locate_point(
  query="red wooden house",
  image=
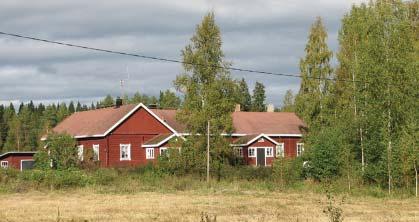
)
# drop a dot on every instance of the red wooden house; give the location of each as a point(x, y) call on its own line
point(18, 160)
point(132, 135)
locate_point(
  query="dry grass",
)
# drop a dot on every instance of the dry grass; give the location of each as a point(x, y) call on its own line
point(88, 205)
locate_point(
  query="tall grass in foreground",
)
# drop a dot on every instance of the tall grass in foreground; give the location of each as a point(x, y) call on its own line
point(150, 179)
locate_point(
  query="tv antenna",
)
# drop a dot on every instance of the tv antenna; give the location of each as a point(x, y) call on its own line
point(122, 81)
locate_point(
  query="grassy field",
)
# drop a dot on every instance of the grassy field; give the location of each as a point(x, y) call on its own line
point(227, 205)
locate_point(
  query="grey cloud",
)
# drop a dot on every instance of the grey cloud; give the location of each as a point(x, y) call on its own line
point(264, 35)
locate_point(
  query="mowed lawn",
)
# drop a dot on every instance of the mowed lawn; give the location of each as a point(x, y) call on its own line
point(86, 205)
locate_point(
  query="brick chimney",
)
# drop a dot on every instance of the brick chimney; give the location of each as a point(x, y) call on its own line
point(270, 108)
point(237, 108)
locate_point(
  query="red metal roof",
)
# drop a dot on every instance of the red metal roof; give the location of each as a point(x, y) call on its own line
point(98, 122)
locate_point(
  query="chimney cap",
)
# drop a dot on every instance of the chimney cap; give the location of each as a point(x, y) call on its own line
point(237, 108)
point(270, 108)
point(118, 102)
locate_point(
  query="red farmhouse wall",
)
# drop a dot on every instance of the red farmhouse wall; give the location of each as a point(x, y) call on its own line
point(138, 128)
point(15, 160)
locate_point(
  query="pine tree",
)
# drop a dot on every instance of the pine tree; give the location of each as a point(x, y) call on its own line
point(244, 96)
point(209, 92)
point(315, 68)
point(258, 100)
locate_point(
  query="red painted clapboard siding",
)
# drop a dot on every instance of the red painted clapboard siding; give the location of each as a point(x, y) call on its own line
point(141, 122)
point(138, 128)
point(265, 143)
point(14, 161)
point(88, 144)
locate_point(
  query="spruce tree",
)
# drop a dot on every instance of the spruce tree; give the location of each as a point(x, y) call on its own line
point(315, 68)
point(244, 96)
point(71, 108)
point(258, 100)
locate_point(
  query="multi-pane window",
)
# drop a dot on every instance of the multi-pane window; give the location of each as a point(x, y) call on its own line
point(300, 149)
point(252, 152)
point(149, 153)
point(239, 151)
point(280, 150)
point(269, 151)
point(96, 152)
point(125, 151)
point(80, 152)
point(4, 164)
point(163, 151)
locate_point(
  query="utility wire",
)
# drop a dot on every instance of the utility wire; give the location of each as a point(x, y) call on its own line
point(165, 59)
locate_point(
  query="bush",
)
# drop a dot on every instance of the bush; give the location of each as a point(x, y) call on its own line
point(287, 171)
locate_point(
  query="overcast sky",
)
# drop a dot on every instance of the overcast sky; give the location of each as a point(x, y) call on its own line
point(267, 35)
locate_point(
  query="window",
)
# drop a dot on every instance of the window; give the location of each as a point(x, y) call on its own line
point(149, 153)
point(252, 152)
point(125, 151)
point(4, 164)
point(80, 152)
point(261, 140)
point(300, 149)
point(269, 151)
point(280, 150)
point(239, 151)
point(163, 151)
point(96, 152)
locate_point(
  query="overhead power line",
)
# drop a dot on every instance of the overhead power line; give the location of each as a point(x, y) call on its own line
point(163, 59)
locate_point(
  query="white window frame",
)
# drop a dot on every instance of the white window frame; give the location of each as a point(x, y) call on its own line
point(4, 164)
point(96, 152)
point(280, 150)
point(80, 152)
point(254, 151)
point(239, 151)
point(161, 149)
point(300, 149)
point(21, 163)
point(149, 153)
point(261, 140)
point(266, 152)
point(128, 151)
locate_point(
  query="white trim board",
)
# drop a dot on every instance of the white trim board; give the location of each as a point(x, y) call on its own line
point(256, 138)
point(21, 163)
point(159, 144)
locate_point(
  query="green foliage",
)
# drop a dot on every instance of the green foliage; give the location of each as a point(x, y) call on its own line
point(107, 101)
point(62, 151)
point(42, 160)
point(288, 103)
point(324, 154)
point(244, 96)
point(315, 68)
point(258, 99)
point(333, 210)
point(209, 94)
point(169, 100)
point(287, 171)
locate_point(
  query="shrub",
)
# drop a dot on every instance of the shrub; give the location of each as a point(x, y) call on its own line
point(287, 171)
